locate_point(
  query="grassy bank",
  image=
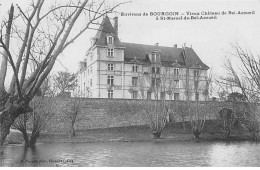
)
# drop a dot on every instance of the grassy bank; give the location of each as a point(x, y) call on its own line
point(172, 132)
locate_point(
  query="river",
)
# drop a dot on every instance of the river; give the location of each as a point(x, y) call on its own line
point(134, 154)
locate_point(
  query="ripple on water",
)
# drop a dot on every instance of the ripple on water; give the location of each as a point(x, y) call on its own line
point(136, 154)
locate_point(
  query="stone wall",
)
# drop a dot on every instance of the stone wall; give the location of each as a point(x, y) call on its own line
point(104, 113)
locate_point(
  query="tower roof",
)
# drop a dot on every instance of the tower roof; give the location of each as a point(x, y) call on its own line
point(105, 29)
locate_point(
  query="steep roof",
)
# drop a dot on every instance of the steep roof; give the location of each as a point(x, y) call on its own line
point(183, 57)
point(104, 29)
point(170, 56)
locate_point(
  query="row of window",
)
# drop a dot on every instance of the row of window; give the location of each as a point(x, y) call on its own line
point(89, 71)
point(176, 96)
point(155, 70)
point(155, 82)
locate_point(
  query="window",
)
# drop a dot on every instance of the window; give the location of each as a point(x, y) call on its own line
point(176, 84)
point(196, 84)
point(196, 73)
point(155, 57)
point(110, 67)
point(110, 39)
point(162, 95)
point(197, 96)
point(134, 94)
point(110, 94)
point(135, 69)
point(153, 82)
point(110, 52)
point(91, 56)
point(149, 95)
point(153, 69)
point(90, 70)
point(110, 80)
point(156, 82)
point(156, 70)
point(176, 72)
point(134, 81)
point(176, 96)
point(90, 83)
point(85, 64)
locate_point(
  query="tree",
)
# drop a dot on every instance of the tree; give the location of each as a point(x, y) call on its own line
point(246, 80)
point(35, 121)
point(236, 97)
point(64, 81)
point(227, 118)
point(73, 115)
point(40, 31)
point(198, 114)
point(151, 90)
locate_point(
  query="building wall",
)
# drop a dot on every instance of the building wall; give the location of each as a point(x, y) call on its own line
point(105, 113)
point(97, 61)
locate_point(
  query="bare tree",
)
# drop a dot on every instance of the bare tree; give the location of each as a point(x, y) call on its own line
point(34, 121)
point(73, 115)
point(198, 114)
point(151, 90)
point(41, 31)
point(245, 80)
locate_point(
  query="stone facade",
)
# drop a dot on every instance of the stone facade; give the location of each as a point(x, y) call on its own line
point(105, 113)
point(115, 69)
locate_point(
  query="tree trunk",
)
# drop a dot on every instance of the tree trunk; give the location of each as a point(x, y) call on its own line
point(196, 134)
point(227, 133)
point(26, 139)
point(8, 116)
point(72, 130)
point(33, 139)
point(156, 134)
point(183, 126)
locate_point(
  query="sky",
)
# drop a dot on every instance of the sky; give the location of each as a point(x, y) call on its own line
point(210, 38)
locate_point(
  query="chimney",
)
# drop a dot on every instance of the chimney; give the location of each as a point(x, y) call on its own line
point(116, 25)
point(175, 45)
point(93, 41)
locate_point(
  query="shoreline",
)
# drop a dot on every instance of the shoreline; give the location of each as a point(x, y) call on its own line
point(172, 133)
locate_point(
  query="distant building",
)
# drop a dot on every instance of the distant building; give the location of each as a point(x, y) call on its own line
point(115, 69)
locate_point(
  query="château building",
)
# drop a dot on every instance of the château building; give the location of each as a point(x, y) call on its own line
point(115, 69)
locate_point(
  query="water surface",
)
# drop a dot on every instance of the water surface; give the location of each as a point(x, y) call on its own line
point(135, 154)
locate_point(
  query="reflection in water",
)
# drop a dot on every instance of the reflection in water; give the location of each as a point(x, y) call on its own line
point(239, 154)
point(134, 154)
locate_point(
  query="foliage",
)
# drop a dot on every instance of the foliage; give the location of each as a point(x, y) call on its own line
point(236, 97)
point(64, 82)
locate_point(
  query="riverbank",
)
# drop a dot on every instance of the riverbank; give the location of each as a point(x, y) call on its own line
point(172, 132)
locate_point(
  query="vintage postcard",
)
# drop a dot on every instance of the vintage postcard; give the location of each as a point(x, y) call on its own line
point(119, 83)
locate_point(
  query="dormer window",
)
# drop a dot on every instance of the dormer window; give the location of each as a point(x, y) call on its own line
point(155, 57)
point(110, 39)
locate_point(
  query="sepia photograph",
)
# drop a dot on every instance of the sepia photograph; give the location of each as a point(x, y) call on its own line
point(129, 83)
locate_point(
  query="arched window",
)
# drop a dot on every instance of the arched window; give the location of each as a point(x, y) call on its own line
point(110, 39)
